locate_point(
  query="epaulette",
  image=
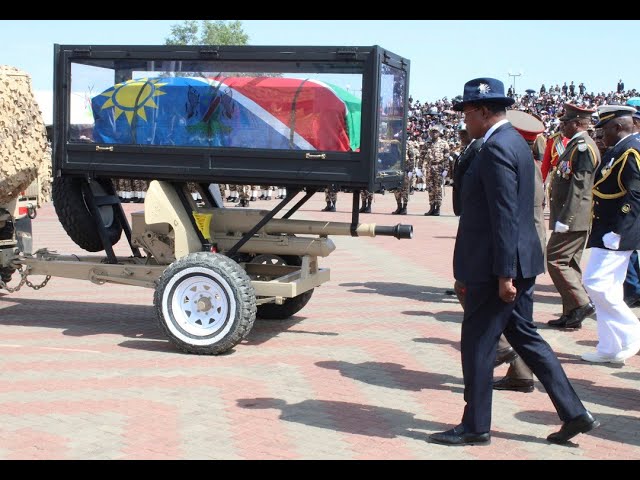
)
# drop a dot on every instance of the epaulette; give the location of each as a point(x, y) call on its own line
point(555, 135)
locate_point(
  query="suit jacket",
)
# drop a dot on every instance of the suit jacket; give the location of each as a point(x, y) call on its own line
point(496, 233)
point(571, 185)
point(616, 195)
point(459, 169)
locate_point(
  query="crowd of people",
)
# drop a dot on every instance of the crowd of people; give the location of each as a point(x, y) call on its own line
point(546, 104)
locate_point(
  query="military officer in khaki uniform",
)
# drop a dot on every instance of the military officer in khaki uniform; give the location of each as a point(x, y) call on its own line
point(331, 197)
point(402, 194)
point(570, 216)
point(366, 197)
point(437, 153)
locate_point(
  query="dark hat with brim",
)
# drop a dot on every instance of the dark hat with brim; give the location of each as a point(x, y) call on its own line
point(573, 112)
point(609, 112)
point(481, 90)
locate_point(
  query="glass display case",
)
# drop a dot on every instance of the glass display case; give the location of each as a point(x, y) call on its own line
point(278, 115)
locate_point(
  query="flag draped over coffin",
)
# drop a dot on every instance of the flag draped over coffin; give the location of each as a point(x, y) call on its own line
point(244, 112)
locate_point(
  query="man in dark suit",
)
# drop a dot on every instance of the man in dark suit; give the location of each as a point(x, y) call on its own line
point(519, 377)
point(497, 257)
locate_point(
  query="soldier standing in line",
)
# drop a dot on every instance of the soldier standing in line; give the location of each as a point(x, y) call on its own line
point(570, 216)
point(402, 194)
point(421, 163)
point(127, 189)
point(118, 185)
point(140, 188)
point(233, 193)
point(282, 193)
point(435, 165)
point(223, 189)
point(366, 197)
point(266, 193)
point(330, 196)
point(254, 189)
point(244, 195)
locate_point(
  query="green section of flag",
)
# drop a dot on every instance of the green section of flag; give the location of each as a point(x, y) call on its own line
point(354, 115)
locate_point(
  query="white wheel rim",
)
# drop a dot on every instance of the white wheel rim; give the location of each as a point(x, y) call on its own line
point(198, 306)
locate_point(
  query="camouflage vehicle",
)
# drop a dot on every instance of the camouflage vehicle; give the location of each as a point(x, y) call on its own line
point(186, 118)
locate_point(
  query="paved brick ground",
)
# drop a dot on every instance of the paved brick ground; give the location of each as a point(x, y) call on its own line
point(366, 371)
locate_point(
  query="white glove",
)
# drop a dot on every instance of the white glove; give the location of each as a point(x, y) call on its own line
point(444, 173)
point(419, 173)
point(561, 227)
point(611, 240)
point(410, 175)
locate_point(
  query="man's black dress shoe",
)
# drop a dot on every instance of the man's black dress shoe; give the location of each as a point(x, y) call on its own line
point(577, 315)
point(559, 322)
point(515, 384)
point(574, 318)
point(505, 355)
point(458, 436)
point(581, 424)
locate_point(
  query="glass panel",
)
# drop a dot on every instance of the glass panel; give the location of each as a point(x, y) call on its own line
point(243, 104)
point(391, 121)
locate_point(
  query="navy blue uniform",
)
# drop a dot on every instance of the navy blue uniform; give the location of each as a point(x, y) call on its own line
point(616, 196)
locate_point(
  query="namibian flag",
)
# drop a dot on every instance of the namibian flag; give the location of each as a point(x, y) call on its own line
point(245, 112)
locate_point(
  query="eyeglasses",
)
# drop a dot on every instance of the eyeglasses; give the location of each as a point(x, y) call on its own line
point(469, 111)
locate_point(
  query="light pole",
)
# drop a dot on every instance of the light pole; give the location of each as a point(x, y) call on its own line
point(514, 75)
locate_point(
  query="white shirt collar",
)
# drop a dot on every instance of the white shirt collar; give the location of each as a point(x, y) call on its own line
point(494, 128)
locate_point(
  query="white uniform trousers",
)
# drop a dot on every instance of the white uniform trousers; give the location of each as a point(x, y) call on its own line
point(618, 327)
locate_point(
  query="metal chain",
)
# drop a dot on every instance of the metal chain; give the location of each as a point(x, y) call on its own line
point(24, 281)
point(38, 287)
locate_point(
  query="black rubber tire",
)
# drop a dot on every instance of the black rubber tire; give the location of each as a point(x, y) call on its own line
point(225, 281)
point(75, 217)
point(291, 306)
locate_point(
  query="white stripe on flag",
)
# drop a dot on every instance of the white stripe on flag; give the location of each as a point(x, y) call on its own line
point(265, 116)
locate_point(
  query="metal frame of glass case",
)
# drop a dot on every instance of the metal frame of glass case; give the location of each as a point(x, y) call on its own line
point(377, 164)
